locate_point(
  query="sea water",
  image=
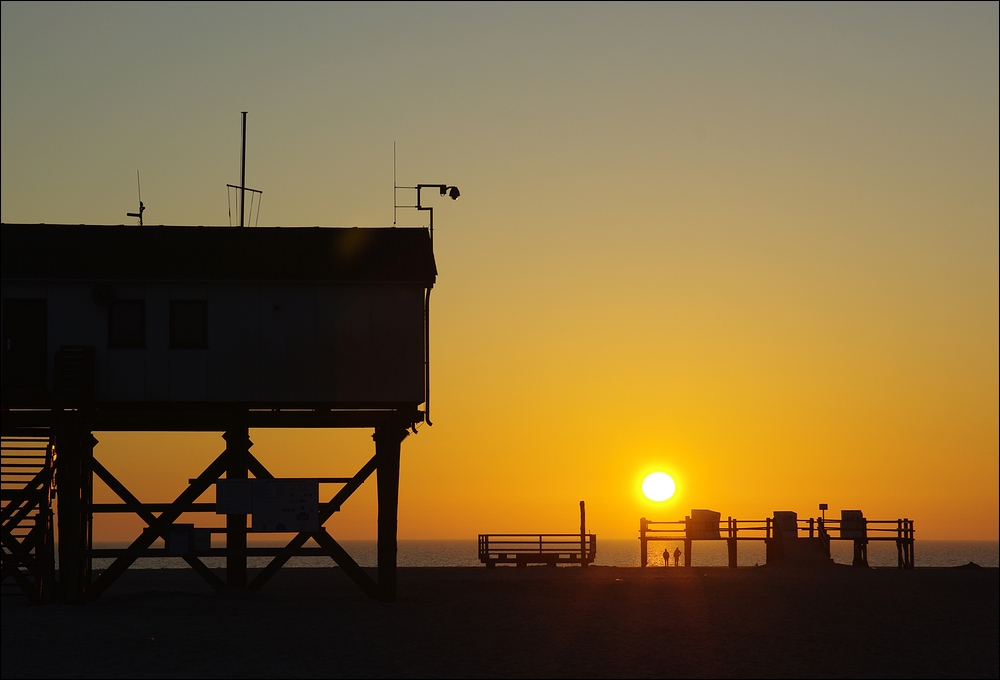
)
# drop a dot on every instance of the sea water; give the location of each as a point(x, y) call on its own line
point(620, 552)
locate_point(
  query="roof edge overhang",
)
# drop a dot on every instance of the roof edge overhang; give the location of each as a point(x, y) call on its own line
point(116, 252)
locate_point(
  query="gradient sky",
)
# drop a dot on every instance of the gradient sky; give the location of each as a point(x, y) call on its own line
point(755, 246)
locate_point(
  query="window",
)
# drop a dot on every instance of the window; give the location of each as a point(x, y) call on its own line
point(127, 324)
point(25, 344)
point(188, 324)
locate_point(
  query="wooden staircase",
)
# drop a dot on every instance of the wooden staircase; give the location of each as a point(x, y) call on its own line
point(26, 491)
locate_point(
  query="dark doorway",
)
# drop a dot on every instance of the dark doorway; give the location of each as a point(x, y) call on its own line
point(25, 345)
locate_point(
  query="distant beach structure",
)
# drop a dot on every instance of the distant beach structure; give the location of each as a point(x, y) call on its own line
point(787, 539)
point(547, 549)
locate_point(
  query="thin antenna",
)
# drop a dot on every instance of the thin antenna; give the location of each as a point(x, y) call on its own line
point(243, 168)
point(394, 184)
point(242, 188)
point(142, 208)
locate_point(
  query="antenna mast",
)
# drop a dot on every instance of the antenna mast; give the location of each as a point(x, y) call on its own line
point(243, 188)
point(142, 208)
point(243, 168)
point(394, 206)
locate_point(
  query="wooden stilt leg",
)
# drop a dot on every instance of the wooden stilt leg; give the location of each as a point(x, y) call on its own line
point(643, 544)
point(86, 503)
point(73, 449)
point(237, 445)
point(387, 446)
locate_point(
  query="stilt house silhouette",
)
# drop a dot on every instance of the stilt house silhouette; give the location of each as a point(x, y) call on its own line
point(115, 328)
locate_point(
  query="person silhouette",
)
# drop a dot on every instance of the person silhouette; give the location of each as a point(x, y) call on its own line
point(677, 557)
point(666, 557)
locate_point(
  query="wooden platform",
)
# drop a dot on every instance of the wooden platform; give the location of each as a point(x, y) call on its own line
point(547, 549)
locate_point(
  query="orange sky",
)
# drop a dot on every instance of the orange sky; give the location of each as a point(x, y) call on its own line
point(753, 246)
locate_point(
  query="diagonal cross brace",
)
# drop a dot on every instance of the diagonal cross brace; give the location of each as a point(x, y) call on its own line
point(157, 525)
point(27, 587)
point(202, 569)
point(20, 548)
point(26, 499)
point(350, 567)
point(135, 505)
point(257, 468)
point(347, 563)
point(155, 530)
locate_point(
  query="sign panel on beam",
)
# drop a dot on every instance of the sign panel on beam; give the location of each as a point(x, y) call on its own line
point(285, 505)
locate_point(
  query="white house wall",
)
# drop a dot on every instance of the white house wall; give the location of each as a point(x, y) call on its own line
point(267, 342)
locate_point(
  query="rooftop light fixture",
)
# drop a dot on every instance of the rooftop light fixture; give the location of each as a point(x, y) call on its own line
point(448, 190)
point(453, 193)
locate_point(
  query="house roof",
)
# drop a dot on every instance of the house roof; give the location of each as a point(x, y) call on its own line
point(48, 251)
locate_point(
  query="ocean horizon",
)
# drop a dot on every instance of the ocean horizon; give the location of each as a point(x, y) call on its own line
point(612, 552)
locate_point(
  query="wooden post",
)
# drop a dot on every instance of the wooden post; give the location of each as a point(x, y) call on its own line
point(773, 545)
point(912, 543)
point(68, 495)
point(731, 542)
point(857, 561)
point(387, 446)
point(583, 535)
point(687, 541)
point(74, 448)
point(907, 545)
point(87, 501)
point(43, 554)
point(899, 544)
point(237, 447)
point(643, 557)
point(824, 537)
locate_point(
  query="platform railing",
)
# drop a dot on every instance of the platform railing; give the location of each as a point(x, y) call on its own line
point(860, 531)
point(549, 549)
point(26, 511)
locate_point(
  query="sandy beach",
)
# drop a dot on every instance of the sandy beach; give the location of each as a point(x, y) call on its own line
point(567, 622)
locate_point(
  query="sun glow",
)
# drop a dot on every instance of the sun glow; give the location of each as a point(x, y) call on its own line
point(658, 486)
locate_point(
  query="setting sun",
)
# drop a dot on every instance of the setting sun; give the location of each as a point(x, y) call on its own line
point(658, 486)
